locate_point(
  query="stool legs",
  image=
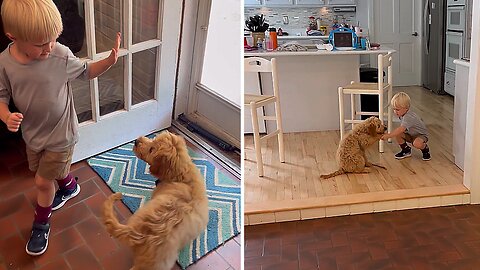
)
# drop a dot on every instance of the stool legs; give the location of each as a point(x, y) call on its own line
point(342, 116)
point(256, 139)
point(278, 116)
point(382, 117)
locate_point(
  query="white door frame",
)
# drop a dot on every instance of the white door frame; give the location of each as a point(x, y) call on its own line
point(108, 131)
point(202, 105)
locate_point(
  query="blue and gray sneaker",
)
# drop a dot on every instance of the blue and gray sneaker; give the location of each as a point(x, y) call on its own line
point(38, 242)
point(63, 195)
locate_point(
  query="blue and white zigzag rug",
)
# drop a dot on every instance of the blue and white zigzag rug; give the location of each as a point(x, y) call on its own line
point(124, 172)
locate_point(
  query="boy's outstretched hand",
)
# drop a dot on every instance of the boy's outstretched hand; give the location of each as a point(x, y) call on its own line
point(114, 53)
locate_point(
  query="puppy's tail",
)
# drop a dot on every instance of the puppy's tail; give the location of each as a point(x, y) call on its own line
point(326, 176)
point(114, 227)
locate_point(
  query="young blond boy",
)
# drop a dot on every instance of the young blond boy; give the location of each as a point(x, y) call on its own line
point(35, 71)
point(412, 129)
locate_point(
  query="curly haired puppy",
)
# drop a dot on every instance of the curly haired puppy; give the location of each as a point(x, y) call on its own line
point(177, 212)
point(351, 156)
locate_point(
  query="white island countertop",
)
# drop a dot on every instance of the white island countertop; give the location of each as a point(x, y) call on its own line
point(313, 52)
point(302, 37)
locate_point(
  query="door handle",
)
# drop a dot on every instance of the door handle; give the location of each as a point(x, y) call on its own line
point(415, 34)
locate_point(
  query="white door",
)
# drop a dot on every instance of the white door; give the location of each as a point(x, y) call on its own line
point(396, 25)
point(134, 97)
point(210, 70)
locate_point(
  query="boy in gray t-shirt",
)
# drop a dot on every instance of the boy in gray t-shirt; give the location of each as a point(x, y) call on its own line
point(35, 71)
point(411, 129)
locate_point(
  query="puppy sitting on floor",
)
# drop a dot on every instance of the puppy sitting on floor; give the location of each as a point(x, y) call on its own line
point(350, 155)
point(177, 212)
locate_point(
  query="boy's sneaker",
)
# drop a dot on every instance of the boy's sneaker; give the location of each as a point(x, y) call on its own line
point(426, 156)
point(63, 195)
point(404, 153)
point(38, 242)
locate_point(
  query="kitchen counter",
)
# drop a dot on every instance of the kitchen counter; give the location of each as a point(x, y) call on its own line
point(308, 84)
point(460, 110)
point(302, 37)
point(314, 52)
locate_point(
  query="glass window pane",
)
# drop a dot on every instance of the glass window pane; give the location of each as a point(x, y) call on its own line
point(143, 75)
point(110, 89)
point(145, 22)
point(82, 100)
point(108, 21)
point(221, 63)
point(73, 19)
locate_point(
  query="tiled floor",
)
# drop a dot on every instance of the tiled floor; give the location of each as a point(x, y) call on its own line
point(78, 239)
point(431, 238)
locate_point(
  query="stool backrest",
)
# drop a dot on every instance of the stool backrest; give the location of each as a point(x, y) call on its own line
point(384, 63)
point(262, 65)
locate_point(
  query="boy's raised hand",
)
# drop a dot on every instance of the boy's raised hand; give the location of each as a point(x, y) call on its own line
point(13, 121)
point(114, 53)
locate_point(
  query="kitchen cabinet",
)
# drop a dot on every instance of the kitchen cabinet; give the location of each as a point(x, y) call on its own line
point(460, 111)
point(253, 2)
point(311, 2)
point(342, 2)
point(278, 2)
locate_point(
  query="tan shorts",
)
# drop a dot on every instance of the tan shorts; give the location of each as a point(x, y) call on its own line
point(409, 138)
point(50, 165)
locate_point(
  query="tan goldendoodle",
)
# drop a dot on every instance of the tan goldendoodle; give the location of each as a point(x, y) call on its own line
point(351, 156)
point(177, 212)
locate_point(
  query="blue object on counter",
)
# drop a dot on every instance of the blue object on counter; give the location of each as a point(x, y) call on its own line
point(343, 39)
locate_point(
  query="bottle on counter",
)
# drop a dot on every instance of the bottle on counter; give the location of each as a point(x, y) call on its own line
point(268, 43)
point(259, 43)
point(273, 37)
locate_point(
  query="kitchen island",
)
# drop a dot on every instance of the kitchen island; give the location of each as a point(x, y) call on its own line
point(308, 83)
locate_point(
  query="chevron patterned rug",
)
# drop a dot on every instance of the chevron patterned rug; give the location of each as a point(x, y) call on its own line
point(124, 172)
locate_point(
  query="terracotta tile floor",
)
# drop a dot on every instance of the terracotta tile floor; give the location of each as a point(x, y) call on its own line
point(78, 239)
point(432, 238)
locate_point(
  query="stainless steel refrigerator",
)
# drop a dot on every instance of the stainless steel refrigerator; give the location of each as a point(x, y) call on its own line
point(433, 51)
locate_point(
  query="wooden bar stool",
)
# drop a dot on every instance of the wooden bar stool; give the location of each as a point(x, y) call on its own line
point(379, 88)
point(256, 65)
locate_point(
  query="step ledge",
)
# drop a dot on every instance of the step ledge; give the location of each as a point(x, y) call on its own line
point(352, 199)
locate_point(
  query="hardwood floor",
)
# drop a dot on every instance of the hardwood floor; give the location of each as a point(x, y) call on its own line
point(296, 184)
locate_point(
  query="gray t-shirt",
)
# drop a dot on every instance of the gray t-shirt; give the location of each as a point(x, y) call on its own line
point(414, 124)
point(41, 91)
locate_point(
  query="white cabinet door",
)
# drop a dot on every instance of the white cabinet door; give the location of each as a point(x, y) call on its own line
point(460, 112)
point(342, 2)
point(310, 2)
point(253, 2)
point(278, 2)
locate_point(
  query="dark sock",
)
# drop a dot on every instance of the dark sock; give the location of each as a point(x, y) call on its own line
point(404, 146)
point(426, 149)
point(42, 214)
point(69, 182)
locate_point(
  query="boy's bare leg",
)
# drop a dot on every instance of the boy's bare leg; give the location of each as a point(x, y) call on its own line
point(46, 191)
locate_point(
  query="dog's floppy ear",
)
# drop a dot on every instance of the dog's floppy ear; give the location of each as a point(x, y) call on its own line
point(165, 154)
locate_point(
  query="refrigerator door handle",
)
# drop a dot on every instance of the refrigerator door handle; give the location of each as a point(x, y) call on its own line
point(426, 25)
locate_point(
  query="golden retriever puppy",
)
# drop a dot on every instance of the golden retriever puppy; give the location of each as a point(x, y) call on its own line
point(350, 155)
point(177, 212)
